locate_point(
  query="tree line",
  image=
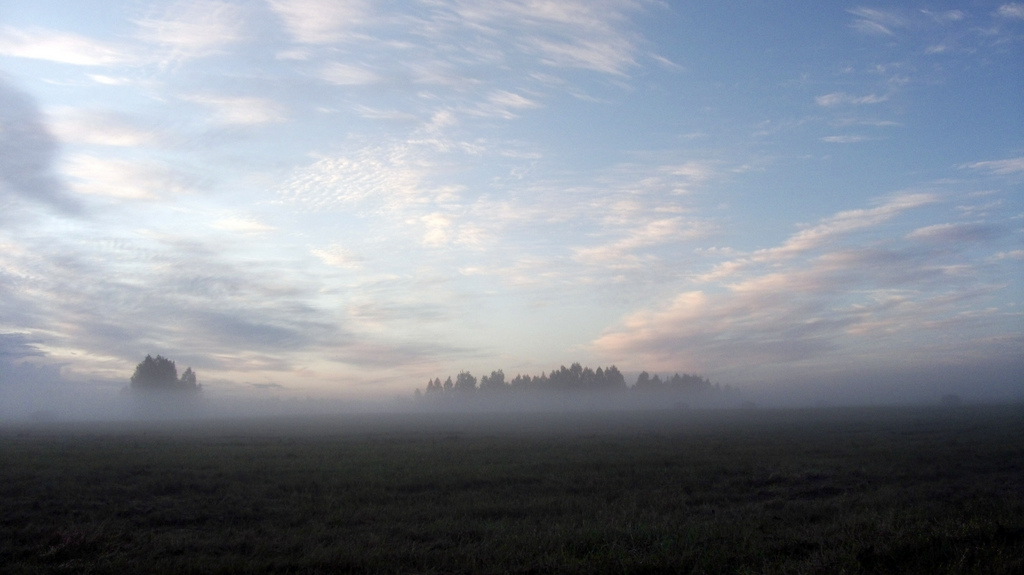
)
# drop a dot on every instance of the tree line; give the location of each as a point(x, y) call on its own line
point(573, 378)
point(160, 373)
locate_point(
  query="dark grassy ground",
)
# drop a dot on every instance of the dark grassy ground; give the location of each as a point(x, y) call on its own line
point(893, 490)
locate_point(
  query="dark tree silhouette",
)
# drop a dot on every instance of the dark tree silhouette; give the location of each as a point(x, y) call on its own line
point(494, 382)
point(465, 382)
point(160, 374)
point(574, 378)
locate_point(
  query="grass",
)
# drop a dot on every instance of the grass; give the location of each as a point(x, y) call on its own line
point(839, 490)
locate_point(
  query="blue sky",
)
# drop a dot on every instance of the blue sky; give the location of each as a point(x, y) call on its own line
point(352, 197)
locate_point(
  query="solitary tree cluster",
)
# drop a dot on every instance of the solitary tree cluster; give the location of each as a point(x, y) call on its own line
point(160, 373)
point(573, 378)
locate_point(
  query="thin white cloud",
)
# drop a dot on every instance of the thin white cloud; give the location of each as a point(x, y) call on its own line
point(242, 225)
point(338, 256)
point(62, 47)
point(847, 139)
point(843, 223)
point(1011, 255)
point(294, 54)
point(80, 126)
point(955, 233)
point(946, 16)
point(123, 179)
point(563, 33)
point(621, 253)
point(501, 104)
point(852, 304)
point(194, 28)
point(610, 56)
point(379, 114)
point(872, 21)
point(319, 21)
point(239, 110)
point(387, 177)
point(1012, 10)
point(109, 80)
point(1001, 167)
point(842, 98)
point(347, 75)
point(437, 229)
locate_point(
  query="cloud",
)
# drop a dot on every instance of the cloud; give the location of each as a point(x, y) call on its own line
point(610, 56)
point(80, 126)
point(1001, 167)
point(242, 225)
point(437, 229)
point(947, 16)
point(620, 253)
point(843, 308)
point(815, 301)
point(126, 295)
point(562, 33)
point(830, 229)
point(319, 21)
point(842, 98)
point(847, 139)
point(378, 114)
point(239, 111)
point(956, 233)
point(61, 47)
point(1012, 255)
point(109, 80)
point(500, 103)
point(123, 179)
point(872, 21)
point(347, 75)
point(27, 152)
point(388, 177)
point(193, 28)
point(1011, 10)
point(339, 257)
point(15, 346)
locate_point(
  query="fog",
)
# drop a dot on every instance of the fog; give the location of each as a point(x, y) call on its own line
point(39, 396)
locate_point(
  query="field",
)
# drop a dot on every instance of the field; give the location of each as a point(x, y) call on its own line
point(842, 490)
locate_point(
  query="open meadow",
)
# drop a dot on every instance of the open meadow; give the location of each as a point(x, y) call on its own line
point(836, 490)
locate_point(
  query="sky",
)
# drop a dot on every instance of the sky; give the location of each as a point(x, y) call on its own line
point(333, 198)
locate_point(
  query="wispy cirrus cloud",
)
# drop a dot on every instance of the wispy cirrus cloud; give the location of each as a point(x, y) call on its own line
point(193, 28)
point(1011, 10)
point(502, 104)
point(347, 75)
point(955, 233)
point(388, 177)
point(239, 110)
point(97, 127)
point(338, 256)
point(124, 179)
point(1001, 167)
point(574, 34)
point(61, 47)
point(826, 234)
point(843, 223)
point(319, 21)
point(844, 302)
point(242, 225)
point(842, 98)
point(623, 253)
point(873, 21)
point(845, 139)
